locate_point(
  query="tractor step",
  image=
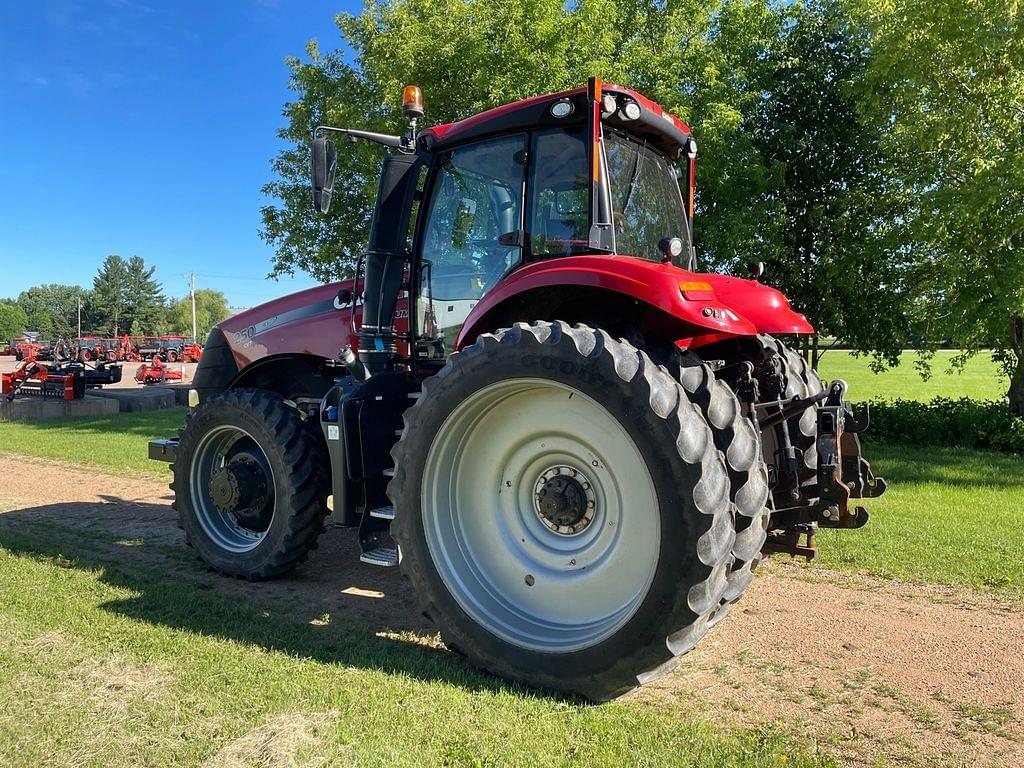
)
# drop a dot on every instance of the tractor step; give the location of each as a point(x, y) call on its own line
point(383, 557)
point(383, 513)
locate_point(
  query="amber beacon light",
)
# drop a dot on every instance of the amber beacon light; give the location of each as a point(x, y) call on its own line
point(412, 101)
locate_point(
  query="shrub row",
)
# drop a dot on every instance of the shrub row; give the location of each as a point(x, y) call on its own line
point(962, 423)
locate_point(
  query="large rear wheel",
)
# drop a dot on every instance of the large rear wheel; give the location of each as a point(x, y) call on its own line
point(562, 510)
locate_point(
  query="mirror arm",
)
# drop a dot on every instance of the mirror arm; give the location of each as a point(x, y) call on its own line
point(396, 142)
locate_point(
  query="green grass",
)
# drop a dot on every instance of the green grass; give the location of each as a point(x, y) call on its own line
point(981, 379)
point(113, 664)
point(117, 442)
point(950, 516)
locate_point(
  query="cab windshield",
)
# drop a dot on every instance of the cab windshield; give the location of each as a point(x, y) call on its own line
point(647, 205)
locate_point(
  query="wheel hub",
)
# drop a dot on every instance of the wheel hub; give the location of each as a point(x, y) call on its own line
point(240, 489)
point(564, 500)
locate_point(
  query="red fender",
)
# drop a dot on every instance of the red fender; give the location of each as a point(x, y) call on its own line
point(764, 306)
point(659, 285)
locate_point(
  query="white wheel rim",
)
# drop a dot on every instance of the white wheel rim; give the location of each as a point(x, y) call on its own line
point(528, 584)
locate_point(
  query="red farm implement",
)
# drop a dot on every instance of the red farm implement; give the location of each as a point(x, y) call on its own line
point(156, 371)
point(34, 379)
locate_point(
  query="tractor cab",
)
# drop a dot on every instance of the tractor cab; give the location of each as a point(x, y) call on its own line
point(590, 172)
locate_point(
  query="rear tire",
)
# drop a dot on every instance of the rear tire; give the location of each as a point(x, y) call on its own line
point(740, 444)
point(250, 479)
point(596, 610)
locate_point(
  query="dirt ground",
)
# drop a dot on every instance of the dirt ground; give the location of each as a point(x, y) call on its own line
point(923, 675)
point(8, 364)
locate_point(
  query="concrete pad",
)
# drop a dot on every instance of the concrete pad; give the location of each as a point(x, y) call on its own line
point(31, 408)
point(138, 400)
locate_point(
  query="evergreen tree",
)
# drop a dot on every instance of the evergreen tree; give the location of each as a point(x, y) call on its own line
point(109, 296)
point(145, 306)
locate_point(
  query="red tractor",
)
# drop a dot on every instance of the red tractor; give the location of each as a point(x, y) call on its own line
point(576, 447)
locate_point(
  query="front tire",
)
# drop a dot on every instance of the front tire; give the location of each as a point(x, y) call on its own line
point(562, 510)
point(250, 480)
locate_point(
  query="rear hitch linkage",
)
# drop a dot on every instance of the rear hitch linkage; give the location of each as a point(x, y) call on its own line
point(842, 472)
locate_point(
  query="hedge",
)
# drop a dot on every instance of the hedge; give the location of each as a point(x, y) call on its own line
point(962, 423)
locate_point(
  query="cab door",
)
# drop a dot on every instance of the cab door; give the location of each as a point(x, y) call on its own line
point(471, 236)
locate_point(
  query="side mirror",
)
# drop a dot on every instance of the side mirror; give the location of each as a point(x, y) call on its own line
point(343, 299)
point(324, 165)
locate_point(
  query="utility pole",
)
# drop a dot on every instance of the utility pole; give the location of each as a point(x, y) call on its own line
point(79, 317)
point(192, 290)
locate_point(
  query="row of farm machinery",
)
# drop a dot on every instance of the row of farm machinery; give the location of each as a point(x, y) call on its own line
point(87, 349)
point(66, 369)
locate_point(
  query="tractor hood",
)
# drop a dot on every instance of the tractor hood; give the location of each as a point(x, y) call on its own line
point(309, 322)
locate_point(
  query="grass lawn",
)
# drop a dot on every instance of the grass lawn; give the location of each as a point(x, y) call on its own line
point(950, 516)
point(106, 664)
point(981, 379)
point(117, 442)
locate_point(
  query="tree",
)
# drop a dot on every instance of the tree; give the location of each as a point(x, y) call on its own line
point(109, 295)
point(211, 308)
point(947, 84)
point(13, 320)
point(145, 306)
point(833, 198)
point(697, 59)
point(52, 309)
point(126, 298)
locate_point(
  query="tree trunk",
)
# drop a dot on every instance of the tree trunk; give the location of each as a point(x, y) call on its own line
point(1016, 393)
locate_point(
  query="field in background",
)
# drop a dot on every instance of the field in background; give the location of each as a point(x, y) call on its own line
point(981, 378)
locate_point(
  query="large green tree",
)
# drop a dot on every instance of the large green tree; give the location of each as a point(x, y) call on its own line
point(947, 91)
point(698, 59)
point(825, 245)
point(145, 309)
point(211, 308)
point(52, 309)
point(868, 150)
point(109, 296)
point(13, 320)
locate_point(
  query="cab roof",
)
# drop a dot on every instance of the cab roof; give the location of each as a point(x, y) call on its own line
point(654, 125)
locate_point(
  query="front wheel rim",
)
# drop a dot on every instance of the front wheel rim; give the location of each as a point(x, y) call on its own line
point(553, 578)
point(244, 528)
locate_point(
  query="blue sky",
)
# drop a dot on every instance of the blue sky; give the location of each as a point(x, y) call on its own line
point(146, 127)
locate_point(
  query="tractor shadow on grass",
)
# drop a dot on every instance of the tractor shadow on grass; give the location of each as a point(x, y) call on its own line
point(332, 609)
